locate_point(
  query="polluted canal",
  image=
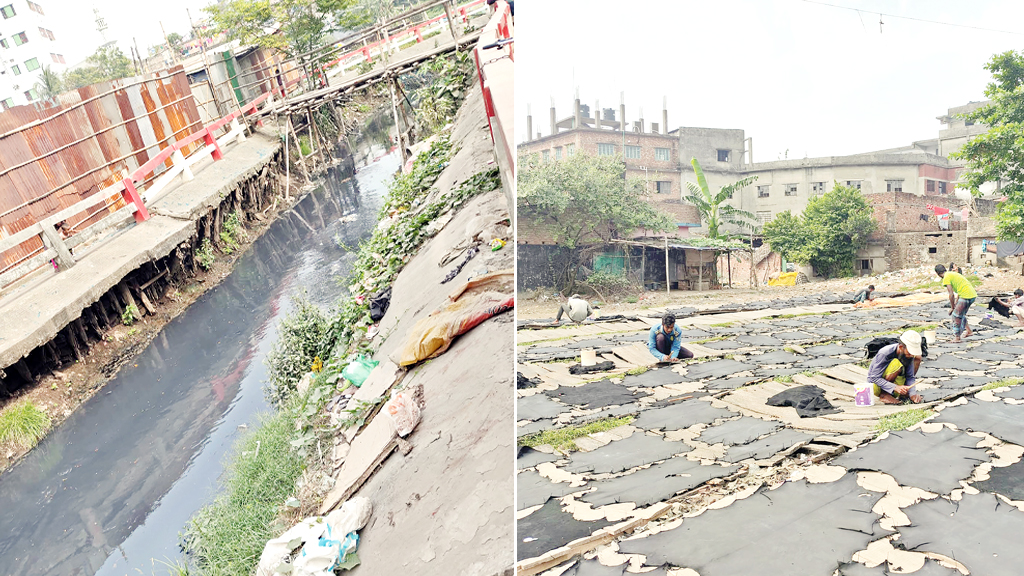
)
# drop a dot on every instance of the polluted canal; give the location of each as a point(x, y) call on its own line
point(109, 491)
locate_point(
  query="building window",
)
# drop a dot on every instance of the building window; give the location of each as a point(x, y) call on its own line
point(16, 69)
point(790, 189)
point(662, 154)
point(864, 264)
point(32, 64)
point(894, 185)
point(58, 58)
point(817, 188)
point(35, 7)
point(762, 192)
point(606, 149)
point(764, 217)
point(46, 34)
point(930, 186)
point(8, 11)
point(942, 187)
point(664, 187)
point(20, 38)
point(570, 149)
point(632, 152)
point(723, 155)
point(545, 155)
point(853, 184)
point(31, 95)
point(558, 153)
point(933, 250)
point(8, 104)
point(3, 43)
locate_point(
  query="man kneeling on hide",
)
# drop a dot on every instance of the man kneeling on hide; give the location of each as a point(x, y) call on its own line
point(665, 342)
point(893, 371)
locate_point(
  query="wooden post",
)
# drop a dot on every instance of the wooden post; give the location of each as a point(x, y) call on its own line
point(53, 240)
point(398, 125)
point(21, 367)
point(668, 283)
point(298, 146)
point(451, 24)
point(126, 296)
point(643, 264)
point(728, 260)
point(314, 134)
point(700, 271)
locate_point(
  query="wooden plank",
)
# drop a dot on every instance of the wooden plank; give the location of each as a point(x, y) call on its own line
point(846, 374)
point(18, 237)
point(29, 265)
point(113, 220)
point(369, 450)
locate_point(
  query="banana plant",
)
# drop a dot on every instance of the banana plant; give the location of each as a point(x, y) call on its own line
point(713, 209)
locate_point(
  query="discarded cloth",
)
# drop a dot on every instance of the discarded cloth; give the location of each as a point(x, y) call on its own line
point(473, 250)
point(325, 541)
point(469, 305)
point(599, 367)
point(379, 304)
point(809, 401)
point(784, 279)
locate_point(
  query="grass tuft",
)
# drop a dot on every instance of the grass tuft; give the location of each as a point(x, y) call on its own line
point(637, 371)
point(23, 424)
point(227, 537)
point(901, 420)
point(564, 438)
point(1004, 383)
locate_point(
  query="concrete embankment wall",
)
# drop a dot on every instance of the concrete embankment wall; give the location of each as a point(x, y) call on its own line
point(55, 322)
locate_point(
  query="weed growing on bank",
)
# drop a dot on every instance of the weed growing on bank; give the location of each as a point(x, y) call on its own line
point(204, 255)
point(23, 424)
point(227, 537)
point(302, 338)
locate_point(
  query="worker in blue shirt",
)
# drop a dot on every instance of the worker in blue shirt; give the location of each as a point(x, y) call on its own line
point(666, 341)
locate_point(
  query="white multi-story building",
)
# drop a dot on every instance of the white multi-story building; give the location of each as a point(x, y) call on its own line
point(27, 44)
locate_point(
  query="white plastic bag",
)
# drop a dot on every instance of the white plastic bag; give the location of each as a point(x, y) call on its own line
point(352, 516)
point(404, 413)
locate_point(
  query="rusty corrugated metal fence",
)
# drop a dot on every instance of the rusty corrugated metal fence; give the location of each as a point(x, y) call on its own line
point(54, 154)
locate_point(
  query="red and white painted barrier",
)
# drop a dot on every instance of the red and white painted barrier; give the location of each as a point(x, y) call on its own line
point(495, 68)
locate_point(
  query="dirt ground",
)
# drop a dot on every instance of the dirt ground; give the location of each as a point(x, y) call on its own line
point(544, 303)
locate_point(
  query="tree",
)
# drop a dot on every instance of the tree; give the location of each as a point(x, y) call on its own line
point(174, 39)
point(828, 234)
point(107, 63)
point(584, 202)
point(50, 84)
point(997, 156)
point(303, 24)
point(713, 209)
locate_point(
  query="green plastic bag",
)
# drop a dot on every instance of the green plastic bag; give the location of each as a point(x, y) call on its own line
point(359, 370)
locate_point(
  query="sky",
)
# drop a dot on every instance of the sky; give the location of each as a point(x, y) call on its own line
point(74, 23)
point(801, 78)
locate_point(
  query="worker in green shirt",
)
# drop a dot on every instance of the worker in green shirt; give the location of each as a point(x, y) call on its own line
point(959, 286)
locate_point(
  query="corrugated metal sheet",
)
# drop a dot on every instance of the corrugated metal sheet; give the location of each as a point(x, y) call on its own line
point(106, 138)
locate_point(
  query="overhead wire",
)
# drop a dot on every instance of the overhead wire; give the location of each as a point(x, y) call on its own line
point(880, 14)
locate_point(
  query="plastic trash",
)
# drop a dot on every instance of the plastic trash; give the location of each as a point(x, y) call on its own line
point(352, 516)
point(863, 395)
point(358, 370)
point(497, 244)
point(404, 413)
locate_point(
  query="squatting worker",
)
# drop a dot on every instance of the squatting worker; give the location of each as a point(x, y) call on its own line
point(1016, 305)
point(666, 341)
point(576, 308)
point(893, 370)
point(865, 294)
point(957, 285)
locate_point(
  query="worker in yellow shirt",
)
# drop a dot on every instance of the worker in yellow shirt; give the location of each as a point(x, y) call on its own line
point(958, 286)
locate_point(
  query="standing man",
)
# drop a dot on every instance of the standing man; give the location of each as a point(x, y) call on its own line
point(955, 283)
point(865, 294)
point(893, 370)
point(577, 309)
point(666, 341)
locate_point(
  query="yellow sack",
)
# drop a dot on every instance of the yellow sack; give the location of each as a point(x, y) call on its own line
point(471, 304)
point(784, 279)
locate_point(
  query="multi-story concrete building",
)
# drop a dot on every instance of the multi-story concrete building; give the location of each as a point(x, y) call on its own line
point(27, 44)
point(903, 184)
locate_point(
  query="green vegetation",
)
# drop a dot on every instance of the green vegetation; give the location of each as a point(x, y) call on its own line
point(232, 230)
point(584, 201)
point(713, 210)
point(204, 255)
point(441, 98)
point(723, 325)
point(828, 234)
point(996, 155)
point(50, 83)
point(607, 284)
point(23, 424)
point(563, 439)
point(227, 537)
point(107, 63)
point(1004, 383)
point(637, 371)
point(130, 315)
point(302, 337)
point(901, 420)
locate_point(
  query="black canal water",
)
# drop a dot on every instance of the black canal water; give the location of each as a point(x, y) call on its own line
point(108, 492)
